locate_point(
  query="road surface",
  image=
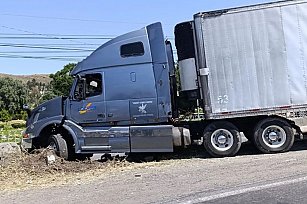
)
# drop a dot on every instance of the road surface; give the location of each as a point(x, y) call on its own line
point(248, 178)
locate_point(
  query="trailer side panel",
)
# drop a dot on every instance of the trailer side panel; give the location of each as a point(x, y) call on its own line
point(256, 57)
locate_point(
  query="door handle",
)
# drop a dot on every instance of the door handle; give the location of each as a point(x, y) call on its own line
point(101, 115)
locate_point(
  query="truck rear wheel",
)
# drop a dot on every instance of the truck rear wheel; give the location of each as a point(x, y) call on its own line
point(222, 139)
point(273, 135)
point(59, 145)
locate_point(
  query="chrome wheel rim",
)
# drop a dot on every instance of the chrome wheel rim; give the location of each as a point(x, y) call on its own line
point(274, 136)
point(222, 140)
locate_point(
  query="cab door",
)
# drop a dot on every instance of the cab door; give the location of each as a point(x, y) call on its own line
point(87, 106)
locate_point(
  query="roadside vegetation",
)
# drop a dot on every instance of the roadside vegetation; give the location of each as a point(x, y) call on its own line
point(11, 131)
point(14, 93)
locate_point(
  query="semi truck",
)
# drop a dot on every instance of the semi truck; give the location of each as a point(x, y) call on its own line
point(245, 68)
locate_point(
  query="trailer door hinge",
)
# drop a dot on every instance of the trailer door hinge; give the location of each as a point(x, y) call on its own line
point(204, 72)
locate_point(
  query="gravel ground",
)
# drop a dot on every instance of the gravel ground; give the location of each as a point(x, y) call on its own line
point(178, 178)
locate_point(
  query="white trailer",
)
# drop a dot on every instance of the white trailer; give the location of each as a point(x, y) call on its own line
point(249, 66)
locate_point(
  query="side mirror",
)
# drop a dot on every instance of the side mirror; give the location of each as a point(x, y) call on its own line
point(26, 108)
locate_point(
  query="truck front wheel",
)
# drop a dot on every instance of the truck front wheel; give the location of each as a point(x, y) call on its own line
point(273, 135)
point(222, 139)
point(59, 145)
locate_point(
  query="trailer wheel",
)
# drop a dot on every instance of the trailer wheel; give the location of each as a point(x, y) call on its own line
point(59, 145)
point(273, 135)
point(222, 139)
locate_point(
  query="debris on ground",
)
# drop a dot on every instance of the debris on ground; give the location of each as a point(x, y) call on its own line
point(44, 167)
point(9, 150)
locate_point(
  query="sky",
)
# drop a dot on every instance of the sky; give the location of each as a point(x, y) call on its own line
point(40, 37)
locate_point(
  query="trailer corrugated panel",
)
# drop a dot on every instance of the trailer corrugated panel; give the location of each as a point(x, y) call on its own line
point(257, 56)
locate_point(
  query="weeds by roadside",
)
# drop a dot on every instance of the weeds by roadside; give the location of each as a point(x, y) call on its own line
point(11, 131)
point(30, 170)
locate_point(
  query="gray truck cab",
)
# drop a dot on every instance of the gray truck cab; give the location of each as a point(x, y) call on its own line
point(119, 102)
point(123, 82)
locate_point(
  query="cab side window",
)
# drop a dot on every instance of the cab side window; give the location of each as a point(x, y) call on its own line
point(93, 85)
point(88, 86)
point(132, 50)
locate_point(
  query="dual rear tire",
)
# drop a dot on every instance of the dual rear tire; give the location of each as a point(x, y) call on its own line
point(273, 135)
point(270, 135)
point(222, 139)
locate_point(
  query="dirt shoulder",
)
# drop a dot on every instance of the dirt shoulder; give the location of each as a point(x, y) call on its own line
point(173, 180)
point(20, 172)
point(29, 171)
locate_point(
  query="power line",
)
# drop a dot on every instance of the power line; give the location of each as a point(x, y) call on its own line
point(55, 44)
point(42, 52)
point(64, 58)
point(52, 38)
point(55, 56)
point(75, 35)
point(25, 31)
point(43, 47)
point(72, 19)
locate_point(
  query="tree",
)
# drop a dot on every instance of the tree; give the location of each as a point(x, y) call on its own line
point(13, 94)
point(62, 81)
point(49, 94)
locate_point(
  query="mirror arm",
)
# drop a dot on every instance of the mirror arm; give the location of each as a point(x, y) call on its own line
point(26, 108)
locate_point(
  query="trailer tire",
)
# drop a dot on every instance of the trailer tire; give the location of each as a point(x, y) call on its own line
point(273, 135)
point(59, 145)
point(222, 139)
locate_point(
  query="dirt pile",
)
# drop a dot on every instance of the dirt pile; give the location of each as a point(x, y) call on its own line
point(26, 170)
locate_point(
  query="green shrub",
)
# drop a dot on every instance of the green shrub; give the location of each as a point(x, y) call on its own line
point(18, 124)
point(20, 116)
point(5, 116)
point(2, 125)
point(10, 135)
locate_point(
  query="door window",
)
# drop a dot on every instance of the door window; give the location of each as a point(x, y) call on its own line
point(93, 85)
point(88, 86)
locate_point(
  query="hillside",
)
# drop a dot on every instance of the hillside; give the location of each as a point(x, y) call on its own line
point(44, 78)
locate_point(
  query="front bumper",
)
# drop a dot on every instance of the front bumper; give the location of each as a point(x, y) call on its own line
point(26, 143)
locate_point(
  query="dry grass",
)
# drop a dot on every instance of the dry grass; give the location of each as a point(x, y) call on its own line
point(31, 170)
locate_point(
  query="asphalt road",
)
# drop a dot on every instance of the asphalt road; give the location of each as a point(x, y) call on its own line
point(248, 178)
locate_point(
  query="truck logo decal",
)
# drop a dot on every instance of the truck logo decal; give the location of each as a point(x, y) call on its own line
point(142, 108)
point(85, 109)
